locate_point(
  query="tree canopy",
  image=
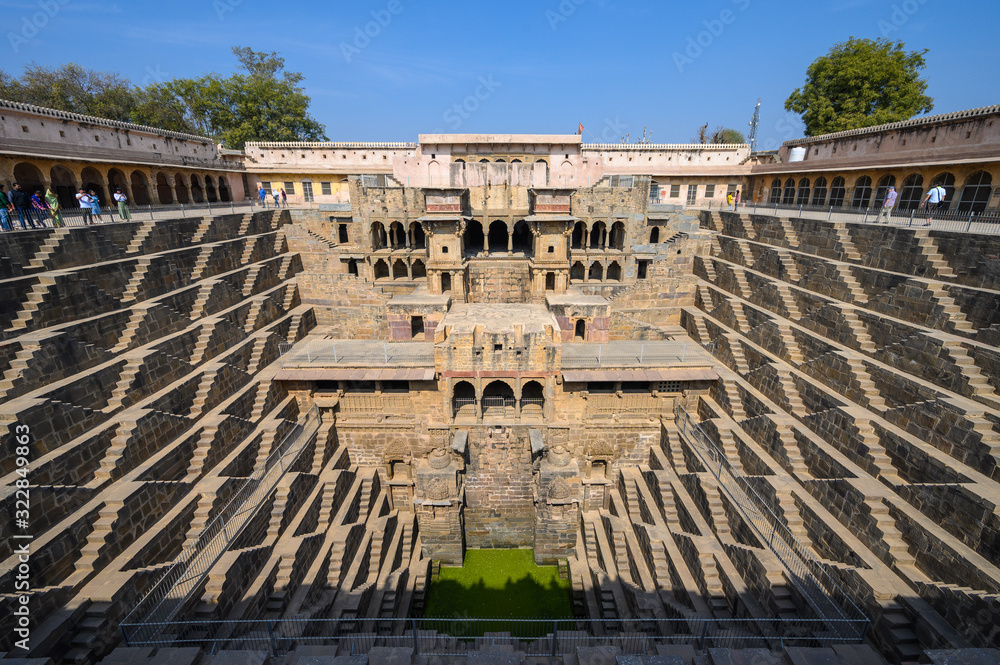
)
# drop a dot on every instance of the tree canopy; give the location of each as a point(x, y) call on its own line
point(861, 83)
point(262, 102)
point(720, 135)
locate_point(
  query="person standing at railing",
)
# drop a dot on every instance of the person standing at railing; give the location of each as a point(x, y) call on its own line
point(887, 205)
point(84, 199)
point(262, 193)
point(284, 197)
point(95, 205)
point(54, 208)
point(122, 200)
point(276, 197)
point(932, 201)
point(5, 210)
point(729, 200)
point(39, 207)
point(21, 202)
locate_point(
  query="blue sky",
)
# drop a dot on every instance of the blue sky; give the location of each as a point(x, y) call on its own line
point(391, 69)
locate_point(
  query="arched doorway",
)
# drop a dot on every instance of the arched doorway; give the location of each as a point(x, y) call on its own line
point(163, 189)
point(180, 186)
point(197, 193)
point(580, 330)
point(210, 190)
point(397, 238)
point(352, 267)
point(596, 272)
point(598, 235)
point(819, 192)
point(911, 192)
point(579, 231)
point(378, 236)
point(838, 192)
point(523, 239)
point(28, 177)
point(498, 237)
point(654, 235)
point(224, 194)
point(617, 236)
point(473, 238)
point(976, 192)
point(140, 188)
point(463, 401)
point(63, 185)
point(614, 272)
point(862, 192)
point(381, 269)
point(498, 400)
point(532, 400)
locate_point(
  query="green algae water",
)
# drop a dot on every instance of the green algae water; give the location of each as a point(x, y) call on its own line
point(499, 584)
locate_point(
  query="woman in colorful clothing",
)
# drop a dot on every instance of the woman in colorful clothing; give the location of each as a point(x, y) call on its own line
point(54, 208)
point(95, 205)
point(40, 207)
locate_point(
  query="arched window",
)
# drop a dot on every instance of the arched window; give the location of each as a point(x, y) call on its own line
point(473, 238)
point(819, 192)
point(498, 236)
point(542, 161)
point(381, 269)
point(614, 272)
point(397, 237)
point(884, 183)
point(352, 267)
point(419, 270)
point(497, 398)
point(654, 235)
point(617, 236)
point(976, 192)
point(580, 330)
point(596, 272)
point(946, 180)
point(838, 192)
point(775, 191)
point(577, 272)
point(399, 269)
point(802, 197)
point(579, 231)
point(862, 192)
point(911, 193)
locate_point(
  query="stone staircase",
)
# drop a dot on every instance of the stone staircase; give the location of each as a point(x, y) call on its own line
point(933, 255)
point(39, 261)
point(959, 324)
point(90, 553)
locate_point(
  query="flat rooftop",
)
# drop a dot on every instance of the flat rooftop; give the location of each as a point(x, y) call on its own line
point(498, 317)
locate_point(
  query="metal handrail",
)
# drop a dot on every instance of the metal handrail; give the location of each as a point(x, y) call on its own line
point(171, 591)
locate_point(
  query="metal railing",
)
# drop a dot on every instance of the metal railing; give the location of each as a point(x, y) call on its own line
point(356, 352)
point(985, 222)
point(534, 637)
point(827, 599)
point(162, 602)
point(79, 217)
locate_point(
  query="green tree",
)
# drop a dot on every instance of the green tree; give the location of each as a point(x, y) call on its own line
point(265, 103)
point(727, 135)
point(861, 83)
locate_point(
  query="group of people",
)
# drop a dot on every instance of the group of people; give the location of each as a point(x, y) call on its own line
point(933, 200)
point(32, 211)
point(278, 197)
point(733, 200)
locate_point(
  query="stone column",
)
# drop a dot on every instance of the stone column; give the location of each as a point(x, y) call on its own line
point(172, 182)
point(409, 270)
point(154, 191)
point(510, 241)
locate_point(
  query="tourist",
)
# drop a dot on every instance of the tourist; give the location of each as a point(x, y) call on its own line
point(122, 200)
point(262, 193)
point(736, 200)
point(729, 200)
point(887, 205)
point(5, 210)
point(39, 207)
point(932, 201)
point(54, 208)
point(276, 197)
point(284, 197)
point(95, 205)
point(21, 202)
point(84, 199)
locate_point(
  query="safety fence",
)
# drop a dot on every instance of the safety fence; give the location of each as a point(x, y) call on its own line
point(79, 217)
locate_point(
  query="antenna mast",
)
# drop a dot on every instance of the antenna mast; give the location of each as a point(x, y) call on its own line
point(754, 123)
